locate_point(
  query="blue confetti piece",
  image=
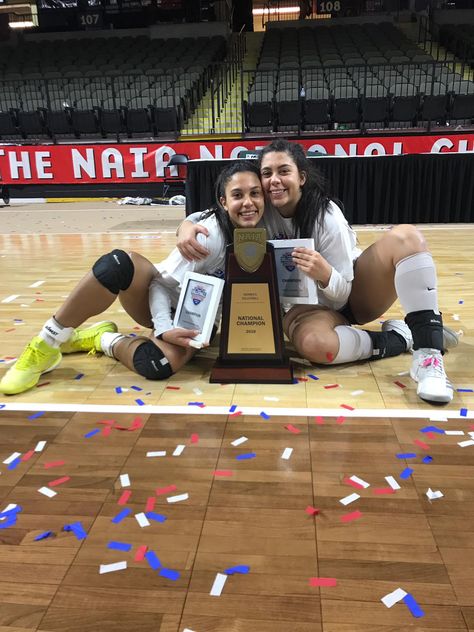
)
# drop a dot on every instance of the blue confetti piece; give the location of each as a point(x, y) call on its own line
point(313, 377)
point(465, 390)
point(413, 606)
point(264, 415)
point(463, 412)
point(10, 512)
point(119, 546)
point(77, 529)
point(11, 517)
point(195, 403)
point(118, 389)
point(237, 569)
point(294, 381)
point(153, 560)
point(432, 429)
point(2, 406)
point(79, 376)
point(248, 455)
point(233, 408)
point(169, 574)
point(140, 402)
point(120, 516)
point(407, 455)
point(43, 536)
point(36, 415)
point(407, 472)
point(427, 459)
point(461, 302)
point(92, 433)
point(4, 524)
point(14, 464)
point(155, 516)
point(132, 335)
point(136, 388)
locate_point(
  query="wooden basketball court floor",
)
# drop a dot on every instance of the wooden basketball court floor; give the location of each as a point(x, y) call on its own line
point(302, 561)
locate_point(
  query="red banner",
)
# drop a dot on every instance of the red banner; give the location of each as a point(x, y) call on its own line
point(145, 162)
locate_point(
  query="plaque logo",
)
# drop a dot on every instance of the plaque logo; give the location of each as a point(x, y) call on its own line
point(287, 261)
point(250, 247)
point(198, 294)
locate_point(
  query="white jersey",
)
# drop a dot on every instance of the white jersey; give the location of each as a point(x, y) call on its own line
point(335, 240)
point(165, 289)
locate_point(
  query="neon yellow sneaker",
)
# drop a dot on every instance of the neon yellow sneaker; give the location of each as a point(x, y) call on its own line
point(88, 339)
point(37, 358)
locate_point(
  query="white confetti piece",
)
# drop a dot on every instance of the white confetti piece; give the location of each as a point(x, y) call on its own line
point(434, 417)
point(218, 585)
point(271, 399)
point(10, 298)
point(40, 446)
point(7, 508)
point(404, 373)
point(455, 316)
point(360, 481)
point(36, 284)
point(159, 453)
point(178, 498)
point(347, 500)
point(286, 453)
point(110, 568)
point(124, 480)
point(197, 391)
point(47, 492)
point(188, 630)
point(454, 432)
point(392, 482)
point(142, 519)
point(11, 458)
point(355, 393)
point(239, 441)
point(465, 444)
point(179, 450)
point(394, 597)
point(432, 495)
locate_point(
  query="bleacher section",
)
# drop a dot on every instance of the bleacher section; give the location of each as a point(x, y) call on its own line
point(356, 77)
point(119, 86)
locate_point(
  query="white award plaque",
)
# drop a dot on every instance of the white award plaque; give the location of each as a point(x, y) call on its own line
point(294, 286)
point(197, 306)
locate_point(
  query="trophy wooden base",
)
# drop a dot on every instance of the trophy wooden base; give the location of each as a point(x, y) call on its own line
point(257, 373)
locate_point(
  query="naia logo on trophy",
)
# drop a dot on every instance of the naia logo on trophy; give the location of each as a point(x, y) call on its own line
point(287, 261)
point(198, 294)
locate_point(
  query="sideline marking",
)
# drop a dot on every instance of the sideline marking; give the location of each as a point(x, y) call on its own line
point(400, 413)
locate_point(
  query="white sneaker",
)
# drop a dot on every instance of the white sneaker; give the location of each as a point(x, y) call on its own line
point(450, 337)
point(400, 327)
point(428, 370)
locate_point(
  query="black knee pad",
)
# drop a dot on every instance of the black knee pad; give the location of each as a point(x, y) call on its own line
point(114, 271)
point(150, 362)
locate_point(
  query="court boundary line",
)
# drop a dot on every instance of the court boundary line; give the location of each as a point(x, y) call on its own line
point(406, 413)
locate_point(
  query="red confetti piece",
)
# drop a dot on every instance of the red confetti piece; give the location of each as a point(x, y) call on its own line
point(236, 414)
point(223, 473)
point(27, 455)
point(302, 379)
point(383, 490)
point(340, 420)
point(319, 420)
point(123, 500)
point(59, 481)
point(400, 384)
point(54, 464)
point(349, 481)
point(194, 438)
point(422, 444)
point(140, 554)
point(165, 490)
point(8, 330)
point(150, 503)
point(293, 429)
point(9, 358)
point(173, 388)
point(347, 407)
point(107, 422)
point(331, 386)
point(430, 435)
point(39, 300)
point(106, 431)
point(136, 423)
point(329, 356)
point(42, 384)
point(322, 581)
point(311, 511)
point(351, 516)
